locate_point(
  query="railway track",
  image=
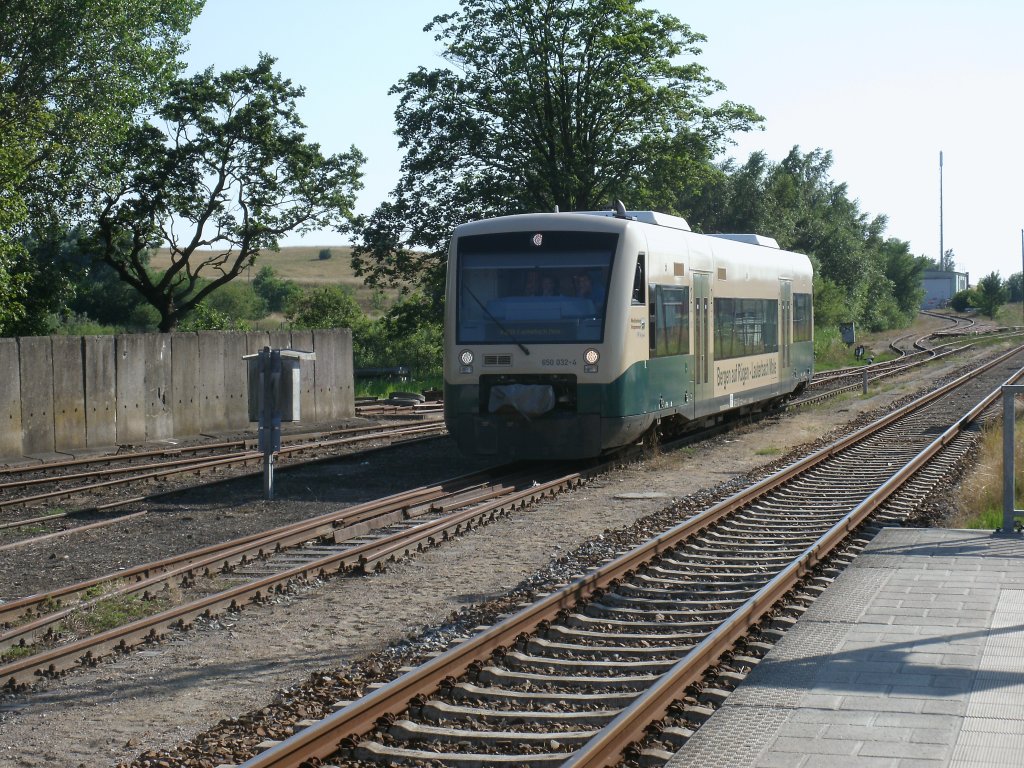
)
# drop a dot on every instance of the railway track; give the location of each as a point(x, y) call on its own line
point(117, 477)
point(827, 384)
point(354, 539)
point(580, 676)
point(330, 543)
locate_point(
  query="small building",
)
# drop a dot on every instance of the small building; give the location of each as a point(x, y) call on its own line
point(939, 287)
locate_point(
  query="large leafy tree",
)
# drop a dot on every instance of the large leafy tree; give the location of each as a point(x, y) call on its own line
point(17, 132)
point(1015, 287)
point(92, 64)
point(543, 103)
point(860, 274)
point(226, 174)
point(73, 76)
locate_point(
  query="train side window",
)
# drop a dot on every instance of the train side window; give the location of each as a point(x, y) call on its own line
point(745, 327)
point(672, 318)
point(639, 297)
point(802, 317)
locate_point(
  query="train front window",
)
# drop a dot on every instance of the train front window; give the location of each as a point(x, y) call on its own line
point(534, 287)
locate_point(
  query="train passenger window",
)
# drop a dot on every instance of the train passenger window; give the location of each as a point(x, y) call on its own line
point(803, 318)
point(639, 299)
point(672, 320)
point(746, 327)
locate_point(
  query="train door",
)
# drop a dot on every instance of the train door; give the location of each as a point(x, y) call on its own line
point(703, 387)
point(786, 329)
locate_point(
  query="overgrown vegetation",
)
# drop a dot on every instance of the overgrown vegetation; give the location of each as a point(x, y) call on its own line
point(103, 145)
point(980, 495)
point(115, 611)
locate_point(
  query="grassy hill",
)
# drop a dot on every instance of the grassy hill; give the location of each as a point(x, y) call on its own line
point(303, 265)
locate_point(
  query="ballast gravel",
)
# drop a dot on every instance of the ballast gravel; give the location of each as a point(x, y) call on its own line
point(153, 707)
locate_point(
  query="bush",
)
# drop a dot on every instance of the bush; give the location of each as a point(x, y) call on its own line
point(104, 298)
point(409, 334)
point(963, 300)
point(331, 307)
point(325, 253)
point(238, 301)
point(207, 318)
point(277, 293)
point(829, 349)
point(82, 325)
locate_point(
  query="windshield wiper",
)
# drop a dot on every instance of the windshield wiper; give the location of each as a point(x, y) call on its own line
point(497, 322)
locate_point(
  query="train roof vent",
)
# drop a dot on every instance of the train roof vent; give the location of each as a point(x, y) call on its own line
point(647, 217)
point(751, 239)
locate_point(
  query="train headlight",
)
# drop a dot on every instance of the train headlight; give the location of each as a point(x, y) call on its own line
point(466, 360)
point(590, 358)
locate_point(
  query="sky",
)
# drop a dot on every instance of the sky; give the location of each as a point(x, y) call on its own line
point(883, 85)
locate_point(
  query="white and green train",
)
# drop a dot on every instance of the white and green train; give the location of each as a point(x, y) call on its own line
point(571, 334)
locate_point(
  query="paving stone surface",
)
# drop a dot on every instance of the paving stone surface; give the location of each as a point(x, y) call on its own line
point(914, 657)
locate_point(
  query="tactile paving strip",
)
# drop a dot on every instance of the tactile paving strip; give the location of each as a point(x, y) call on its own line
point(993, 729)
point(762, 705)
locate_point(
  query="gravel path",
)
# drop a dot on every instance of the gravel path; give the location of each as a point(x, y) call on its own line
point(156, 698)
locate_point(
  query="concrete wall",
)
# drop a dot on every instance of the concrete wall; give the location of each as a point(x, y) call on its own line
point(65, 394)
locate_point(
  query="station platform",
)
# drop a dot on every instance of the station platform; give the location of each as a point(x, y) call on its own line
point(913, 657)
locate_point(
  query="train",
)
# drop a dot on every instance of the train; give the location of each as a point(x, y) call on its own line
point(568, 335)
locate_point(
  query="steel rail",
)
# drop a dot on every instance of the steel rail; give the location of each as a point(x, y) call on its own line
point(287, 438)
point(183, 466)
point(820, 396)
point(359, 556)
point(608, 745)
point(321, 739)
point(217, 557)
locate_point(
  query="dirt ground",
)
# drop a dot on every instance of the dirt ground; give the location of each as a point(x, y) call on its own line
point(169, 693)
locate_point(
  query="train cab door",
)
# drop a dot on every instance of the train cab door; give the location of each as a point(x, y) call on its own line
point(702, 385)
point(785, 325)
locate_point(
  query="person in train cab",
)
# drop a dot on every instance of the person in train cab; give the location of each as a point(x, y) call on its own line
point(532, 287)
point(547, 286)
point(585, 288)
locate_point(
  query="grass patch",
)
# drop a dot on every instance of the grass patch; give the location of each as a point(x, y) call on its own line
point(1010, 314)
point(980, 498)
point(113, 612)
point(383, 389)
point(32, 529)
point(771, 450)
point(9, 655)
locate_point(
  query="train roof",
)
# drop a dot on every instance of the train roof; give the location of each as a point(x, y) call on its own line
point(667, 223)
point(646, 217)
point(749, 239)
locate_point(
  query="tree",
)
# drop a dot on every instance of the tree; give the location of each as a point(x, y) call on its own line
point(544, 102)
point(948, 262)
point(91, 65)
point(275, 291)
point(16, 136)
point(861, 275)
point(963, 300)
point(330, 307)
point(1015, 287)
point(227, 176)
point(73, 77)
point(991, 294)
point(904, 272)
